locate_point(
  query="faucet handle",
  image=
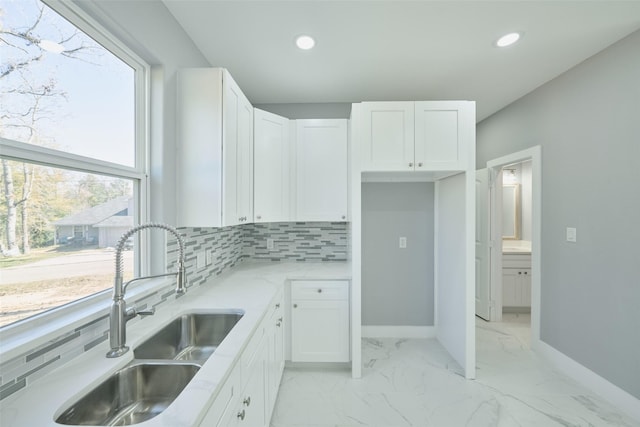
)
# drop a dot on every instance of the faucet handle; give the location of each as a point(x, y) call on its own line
point(148, 312)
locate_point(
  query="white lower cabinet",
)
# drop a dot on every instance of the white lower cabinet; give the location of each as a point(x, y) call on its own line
point(274, 332)
point(249, 409)
point(516, 281)
point(320, 327)
point(248, 395)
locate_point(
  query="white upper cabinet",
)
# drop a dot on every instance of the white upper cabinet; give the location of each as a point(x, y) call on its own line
point(271, 167)
point(388, 136)
point(237, 134)
point(321, 162)
point(214, 153)
point(416, 136)
point(442, 130)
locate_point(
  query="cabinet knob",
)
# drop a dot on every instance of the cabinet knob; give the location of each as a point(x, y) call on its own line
point(278, 305)
point(526, 272)
point(319, 291)
point(344, 217)
point(278, 324)
point(519, 272)
point(241, 415)
point(410, 165)
point(247, 401)
point(295, 305)
point(258, 217)
point(279, 319)
point(420, 164)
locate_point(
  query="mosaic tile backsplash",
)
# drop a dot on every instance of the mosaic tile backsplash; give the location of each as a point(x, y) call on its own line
point(303, 242)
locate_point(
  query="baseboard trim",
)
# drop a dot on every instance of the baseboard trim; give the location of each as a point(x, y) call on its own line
point(600, 386)
point(398, 331)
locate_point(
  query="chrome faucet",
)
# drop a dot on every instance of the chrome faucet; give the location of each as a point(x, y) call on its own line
point(120, 314)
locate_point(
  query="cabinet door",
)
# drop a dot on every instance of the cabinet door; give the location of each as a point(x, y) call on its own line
point(271, 167)
point(237, 135)
point(320, 331)
point(516, 287)
point(442, 130)
point(525, 280)
point(510, 287)
point(249, 410)
point(387, 136)
point(199, 153)
point(321, 170)
point(275, 357)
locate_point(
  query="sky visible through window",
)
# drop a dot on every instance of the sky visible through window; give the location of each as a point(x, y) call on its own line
point(93, 116)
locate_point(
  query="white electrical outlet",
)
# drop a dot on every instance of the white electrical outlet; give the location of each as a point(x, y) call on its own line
point(572, 235)
point(270, 244)
point(403, 243)
point(200, 260)
point(209, 256)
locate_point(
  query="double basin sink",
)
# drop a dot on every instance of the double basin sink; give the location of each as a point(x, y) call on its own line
point(162, 367)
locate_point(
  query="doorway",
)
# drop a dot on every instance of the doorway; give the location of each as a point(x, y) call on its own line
point(519, 273)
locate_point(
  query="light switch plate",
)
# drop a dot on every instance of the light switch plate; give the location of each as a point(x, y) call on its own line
point(403, 243)
point(200, 260)
point(209, 256)
point(270, 244)
point(572, 234)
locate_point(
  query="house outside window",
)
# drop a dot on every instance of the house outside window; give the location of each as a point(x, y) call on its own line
point(72, 157)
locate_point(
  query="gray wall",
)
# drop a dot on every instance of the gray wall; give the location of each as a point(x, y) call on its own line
point(309, 111)
point(397, 284)
point(588, 124)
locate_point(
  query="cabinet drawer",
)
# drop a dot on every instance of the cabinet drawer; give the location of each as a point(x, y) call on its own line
point(320, 290)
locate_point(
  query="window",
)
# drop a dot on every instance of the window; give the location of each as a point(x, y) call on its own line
point(73, 158)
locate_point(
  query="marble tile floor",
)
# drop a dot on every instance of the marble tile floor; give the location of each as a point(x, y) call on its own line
point(414, 382)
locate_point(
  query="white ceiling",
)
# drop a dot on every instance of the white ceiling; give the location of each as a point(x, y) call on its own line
point(400, 50)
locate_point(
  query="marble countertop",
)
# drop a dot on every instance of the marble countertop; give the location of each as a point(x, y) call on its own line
point(516, 247)
point(249, 287)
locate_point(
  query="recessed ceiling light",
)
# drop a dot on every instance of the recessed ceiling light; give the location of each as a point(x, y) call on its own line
point(305, 42)
point(508, 39)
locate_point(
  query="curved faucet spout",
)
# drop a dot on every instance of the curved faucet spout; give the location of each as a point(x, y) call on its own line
point(120, 314)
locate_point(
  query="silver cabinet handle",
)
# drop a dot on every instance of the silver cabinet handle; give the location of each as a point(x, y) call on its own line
point(278, 305)
point(241, 415)
point(278, 324)
point(247, 401)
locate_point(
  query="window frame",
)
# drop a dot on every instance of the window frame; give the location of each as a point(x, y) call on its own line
point(35, 329)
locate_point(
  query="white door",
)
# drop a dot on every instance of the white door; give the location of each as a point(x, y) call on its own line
point(321, 170)
point(495, 245)
point(271, 167)
point(483, 262)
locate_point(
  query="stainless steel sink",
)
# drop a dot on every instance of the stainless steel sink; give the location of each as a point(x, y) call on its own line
point(132, 395)
point(191, 337)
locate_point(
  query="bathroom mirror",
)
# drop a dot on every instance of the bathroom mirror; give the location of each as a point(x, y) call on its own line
point(511, 211)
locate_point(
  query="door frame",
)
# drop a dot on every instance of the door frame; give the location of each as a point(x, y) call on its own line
point(495, 167)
